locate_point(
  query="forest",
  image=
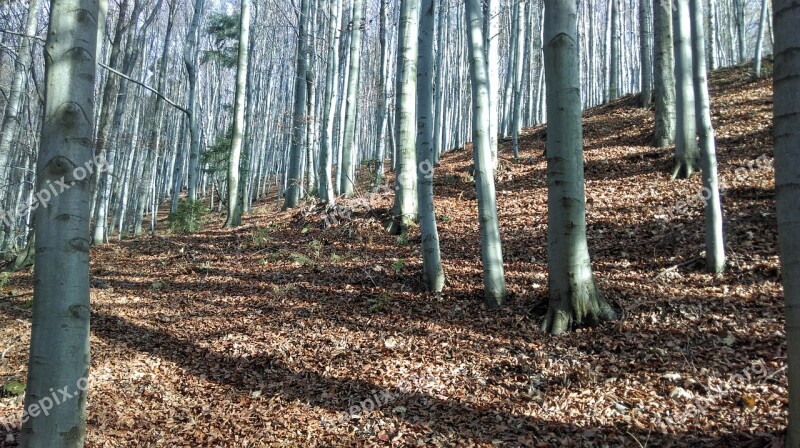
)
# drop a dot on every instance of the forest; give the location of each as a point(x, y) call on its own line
point(411, 223)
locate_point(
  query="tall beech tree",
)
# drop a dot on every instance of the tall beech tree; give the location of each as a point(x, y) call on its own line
point(349, 148)
point(686, 153)
point(494, 282)
point(787, 184)
point(432, 272)
point(295, 174)
point(59, 350)
point(574, 297)
point(664, 74)
point(405, 199)
point(714, 239)
point(234, 161)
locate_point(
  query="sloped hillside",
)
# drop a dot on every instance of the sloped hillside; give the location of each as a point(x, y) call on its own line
point(291, 332)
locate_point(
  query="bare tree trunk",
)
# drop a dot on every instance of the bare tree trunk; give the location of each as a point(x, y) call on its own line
point(432, 272)
point(760, 40)
point(235, 198)
point(494, 283)
point(614, 63)
point(294, 180)
point(714, 239)
point(349, 144)
point(646, 54)
point(59, 350)
point(405, 199)
point(190, 62)
point(664, 80)
point(686, 155)
point(574, 299)
point(787, 185)
point(328, 111)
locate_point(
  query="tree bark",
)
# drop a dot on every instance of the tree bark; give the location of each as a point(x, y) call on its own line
point(329, 108)
point(787, 184)
point(59, 350)
point(574, 299)
point(646, 53)
point(349, 148)
point(235, 198)
point(760, 40)
point(494, 283)
point(664, 79)
point(405, 199)
point(190, 62)
point(714, 238)
point(432, 272)
point(686, 154)
point(295, 174)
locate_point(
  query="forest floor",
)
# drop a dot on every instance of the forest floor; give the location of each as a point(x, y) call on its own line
point(284, 332)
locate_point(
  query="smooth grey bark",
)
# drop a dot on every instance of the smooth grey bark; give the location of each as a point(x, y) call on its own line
point(714, 238)
point(686, 153)
point(349, 148)
point(614, 58)
point(760, 40)
point(494, 283)
point(329, 108)
point(741, 31)
point(234, 218)
point(646, 53)
point(713, 53)
point(443, 32)
point(380, 110)
point(574, 298)
point(405, 198)
point(664, 74)
point(190, 62)
point(787, 185)
point(295, 174)
point(516, 109)
point(432, 272)
point(493, 60)
point(59, 350)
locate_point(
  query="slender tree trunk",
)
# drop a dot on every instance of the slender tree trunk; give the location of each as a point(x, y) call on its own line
point(494, 283)
point(741, 31)
point(493, 60)
point(646, 54)
point(714, 238)
point(519, 50)
point(380, 110)
point(686, 155)
point(190, 62)
point(713, 54)
point(664, 79)
point(295, 180)
point(614, 63)
point(574, 298)
point(432, 272)
point(787, 185)
point(349, 144)
point(235, 199)
point(329, 109)
point(760, 40)
point(405, 199)
point(59, 350)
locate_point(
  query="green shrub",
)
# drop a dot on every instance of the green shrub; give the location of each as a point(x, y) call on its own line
point(188, 218)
